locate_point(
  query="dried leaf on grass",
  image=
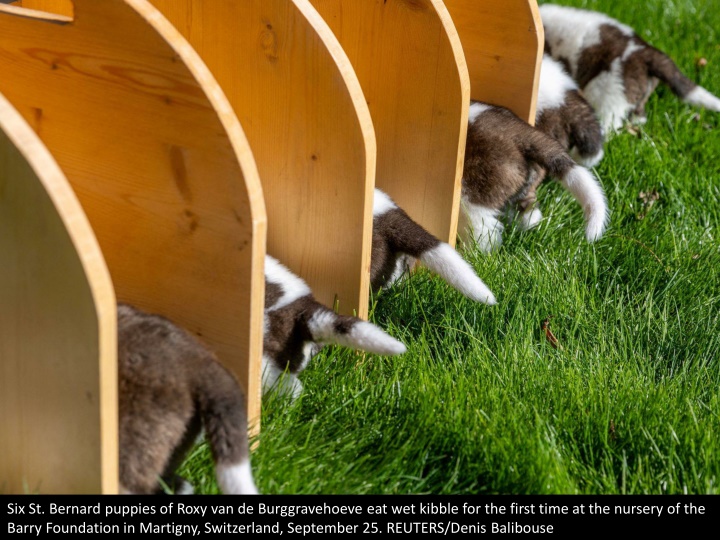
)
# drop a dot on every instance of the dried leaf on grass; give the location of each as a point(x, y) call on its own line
point(549, 335)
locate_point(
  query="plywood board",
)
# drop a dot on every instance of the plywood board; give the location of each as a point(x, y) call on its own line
point(58, 333)
point(411, 67)
point(309, 128)
point(503, 42)
point(59, 7)
point(158, 161)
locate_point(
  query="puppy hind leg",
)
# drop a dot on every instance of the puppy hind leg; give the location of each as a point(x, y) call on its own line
point(528, 208)
point(480, 225)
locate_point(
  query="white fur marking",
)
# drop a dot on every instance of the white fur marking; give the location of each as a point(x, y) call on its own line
point(185, 488)
point(530, 218)
point(555, 82)
point(293, 287)
point(447, 263)
point(480, 224)
point(702, 98)
point(382, 203)
point(274, 378)
point(476, 109)
point(362, 335)
point(606, 93)
point(631, 48)
point(236, 479)
point(403, 266)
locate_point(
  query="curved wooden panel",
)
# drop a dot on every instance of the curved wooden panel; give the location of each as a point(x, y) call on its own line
point(503, 42)
point(59, 7)
point(158, 161)
point(302, 108)
point(58, 333)
point(411, 67)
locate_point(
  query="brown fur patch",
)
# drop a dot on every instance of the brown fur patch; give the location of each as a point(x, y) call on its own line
point(288, 332)
point(573, 124)
point(599, 57)
point(395, 234)
point(506, 158)
point(273, 293)
point(645, 68)
point(170, 385)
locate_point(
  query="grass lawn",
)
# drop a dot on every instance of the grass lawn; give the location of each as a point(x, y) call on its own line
point(482, 402)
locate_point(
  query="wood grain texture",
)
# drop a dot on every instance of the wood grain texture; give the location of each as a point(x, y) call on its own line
point(303, 111)
point(503, 42)
point(58, 333)
point(158, 161)
point(411, 67)
point(59, 7)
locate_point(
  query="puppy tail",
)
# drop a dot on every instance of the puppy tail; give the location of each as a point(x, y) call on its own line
point(327, 327)
point(588, 192)
point(702, 98)
point(404, 235)
point(448, 264)
point(661, 66)
point(579, 181)
point(221, 402)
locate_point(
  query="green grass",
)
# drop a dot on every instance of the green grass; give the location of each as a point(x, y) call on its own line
point(482, 402)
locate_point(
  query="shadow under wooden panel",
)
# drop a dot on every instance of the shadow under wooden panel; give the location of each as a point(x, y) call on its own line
point(309, 128)
point(158, 160)
point(58, 333)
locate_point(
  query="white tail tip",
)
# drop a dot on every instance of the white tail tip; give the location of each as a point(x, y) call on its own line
point(447, 263)
point(702, 98)
point(360, 335)
point(368, 337)
point(587, 190)
point(236, 479)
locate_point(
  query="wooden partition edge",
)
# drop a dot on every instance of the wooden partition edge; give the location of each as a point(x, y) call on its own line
point(540, 31)
point(461, 61)
point(368, 132)
point(238, 140)
point(98, 278)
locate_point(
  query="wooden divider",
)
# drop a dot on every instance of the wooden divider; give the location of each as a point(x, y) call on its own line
point(411, 67)
point(503, 42)
point(58, 334)
point(158, 161)
point(58, 7)
point(304, 113)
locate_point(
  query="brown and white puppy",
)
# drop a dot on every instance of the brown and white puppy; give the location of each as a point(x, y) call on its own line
point(398, 242)
point(563, 113)
point(171, 387)
point(505, 158)
point(297, 326)
point(615, 68)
